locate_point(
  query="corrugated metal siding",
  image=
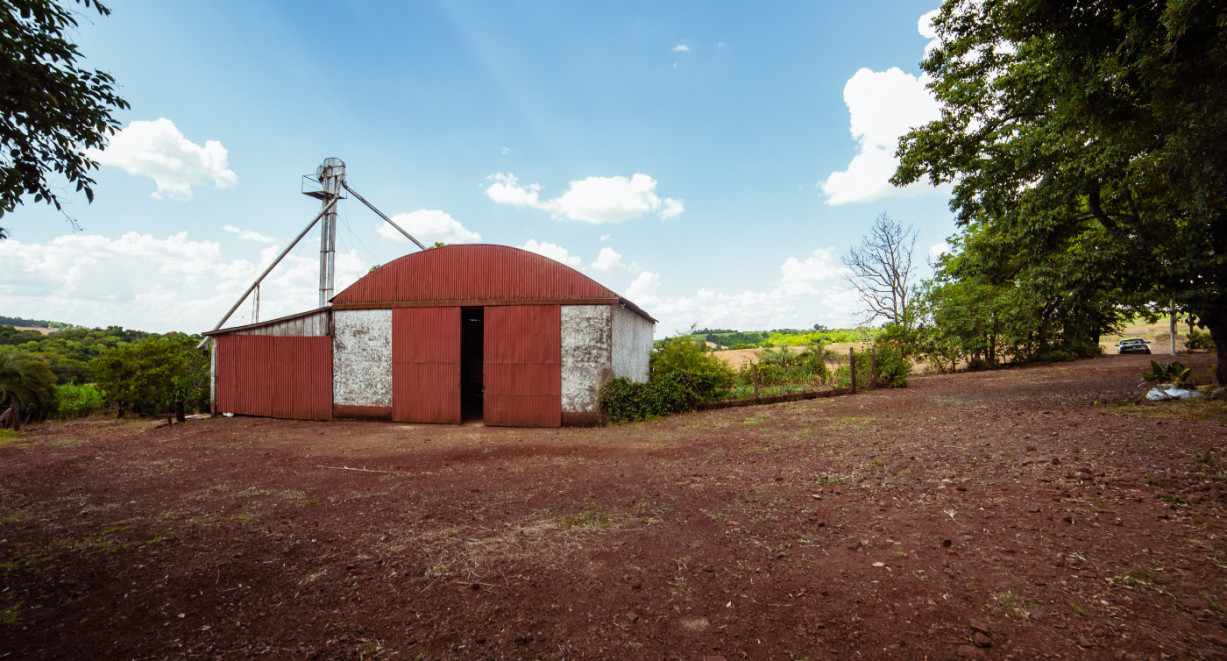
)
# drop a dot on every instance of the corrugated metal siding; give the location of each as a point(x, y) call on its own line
point(426, 364)
point(523, 366)
point(472, 274)
point(276, 377)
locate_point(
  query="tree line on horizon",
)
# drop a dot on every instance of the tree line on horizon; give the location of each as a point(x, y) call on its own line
point(75, 372)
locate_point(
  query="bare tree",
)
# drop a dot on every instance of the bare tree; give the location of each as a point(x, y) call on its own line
point(882, 268)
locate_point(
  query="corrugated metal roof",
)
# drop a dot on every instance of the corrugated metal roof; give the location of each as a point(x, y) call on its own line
point(473, 275)
point(312, 323)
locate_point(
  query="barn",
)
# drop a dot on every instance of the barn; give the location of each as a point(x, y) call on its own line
point(447, 335)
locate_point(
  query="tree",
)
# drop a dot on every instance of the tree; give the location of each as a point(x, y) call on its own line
point(147, 377)
point(882, 269)
point(51, 110)
point(1088, 129)
point(27, 387)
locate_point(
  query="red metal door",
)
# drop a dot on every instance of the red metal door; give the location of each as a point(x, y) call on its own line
point(277, 377)
point(426, 365)
point(523, 371)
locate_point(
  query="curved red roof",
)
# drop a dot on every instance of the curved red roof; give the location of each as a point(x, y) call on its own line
point(475, 274)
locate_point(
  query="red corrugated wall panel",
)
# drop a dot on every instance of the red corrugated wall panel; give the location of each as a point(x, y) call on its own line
point(426, 364)
point(473, 274)
point(523, 371)
point(276, 377)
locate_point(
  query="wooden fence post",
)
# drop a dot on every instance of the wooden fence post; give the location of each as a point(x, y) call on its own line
point(754, 371)
point(852, 366)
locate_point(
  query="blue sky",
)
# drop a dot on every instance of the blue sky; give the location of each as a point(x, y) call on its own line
point(709, 160)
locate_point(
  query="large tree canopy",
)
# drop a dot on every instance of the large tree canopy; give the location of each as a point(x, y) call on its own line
point(51, 110)
point(1093, 129)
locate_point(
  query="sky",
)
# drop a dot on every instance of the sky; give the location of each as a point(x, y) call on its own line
point(710, 161)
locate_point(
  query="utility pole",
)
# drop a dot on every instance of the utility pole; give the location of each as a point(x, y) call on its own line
point(331, 175)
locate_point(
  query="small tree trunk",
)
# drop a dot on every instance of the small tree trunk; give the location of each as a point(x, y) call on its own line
point(179, 413)
point(1217, 325)
point(1171, 324)
point(14, 412)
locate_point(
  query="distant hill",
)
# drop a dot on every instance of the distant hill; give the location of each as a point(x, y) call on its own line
point(34, 324)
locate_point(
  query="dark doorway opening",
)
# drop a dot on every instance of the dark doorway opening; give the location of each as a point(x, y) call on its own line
point(472, 349)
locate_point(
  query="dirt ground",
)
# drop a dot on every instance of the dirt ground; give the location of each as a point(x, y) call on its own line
point(1022, 513)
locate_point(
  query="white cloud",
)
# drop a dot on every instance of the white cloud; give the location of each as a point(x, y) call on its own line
point(506, 189)
point(605, 237)
point(249, 235)
point(817, 273)
point(811, 290)
point(644, 287)
point(926, 29)
point(721, 45)
point(428, 226)
point(609, 261)
point(553, 251)
point(681, 48)
point(158, 150)
point(937, 250)
point(156, 284)
point(884, 106)
point(590, 200)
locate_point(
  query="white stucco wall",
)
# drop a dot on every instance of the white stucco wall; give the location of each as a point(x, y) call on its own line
point(362, 358)
point(586, 351)
point(632, 344)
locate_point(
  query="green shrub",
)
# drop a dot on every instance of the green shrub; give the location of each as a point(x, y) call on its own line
point(623, 400)
point(1199, 340)
point(893, 365)
point(786, 366)
point(146, 377)
point(683, 354)
point(1174, 372)
point(77, 401)
point(27, 387)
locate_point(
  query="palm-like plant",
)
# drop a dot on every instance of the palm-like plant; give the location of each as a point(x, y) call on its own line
point(27, 386)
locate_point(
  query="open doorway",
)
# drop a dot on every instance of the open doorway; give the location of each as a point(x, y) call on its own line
point(472, 347)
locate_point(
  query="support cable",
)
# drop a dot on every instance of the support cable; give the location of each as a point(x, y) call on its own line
point(382, 215)
point(327, 207)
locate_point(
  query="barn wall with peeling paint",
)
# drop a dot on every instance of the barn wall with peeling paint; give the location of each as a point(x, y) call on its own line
point(632, 344)
point(587, 351)
point(540, 365)
point(362, 358)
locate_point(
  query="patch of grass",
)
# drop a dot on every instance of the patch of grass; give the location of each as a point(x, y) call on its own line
point(9, 515)
point(11, 438)
point(831, 479)
point(1009, 604)
point(1175, 500)
point(681, 586)
point(1152, 480)
point(591, 515)
point(1205, 459)
point(10, 614)
point(1077, 609)
point(241, 517)
point(1190, 409)
point(24, 559)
